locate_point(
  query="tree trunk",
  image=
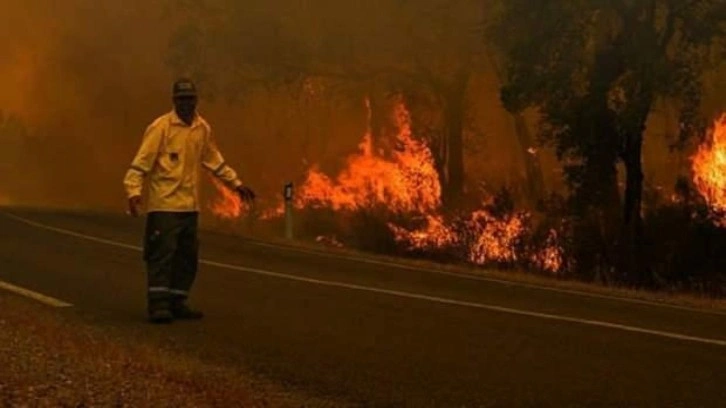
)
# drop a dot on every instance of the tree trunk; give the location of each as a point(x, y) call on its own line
point(454, 115)
point(632, 237)
point(532, 166)
point(634, 185)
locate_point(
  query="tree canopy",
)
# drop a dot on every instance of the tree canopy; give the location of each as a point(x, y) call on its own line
point(594, 69)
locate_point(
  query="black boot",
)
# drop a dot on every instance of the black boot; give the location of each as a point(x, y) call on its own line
point(159, 312)
point(180, 310)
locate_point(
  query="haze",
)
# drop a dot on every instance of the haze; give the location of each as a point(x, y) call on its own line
point(85, 78)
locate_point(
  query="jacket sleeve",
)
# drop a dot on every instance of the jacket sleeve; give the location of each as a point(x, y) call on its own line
point(213, 161)
point(144, 160)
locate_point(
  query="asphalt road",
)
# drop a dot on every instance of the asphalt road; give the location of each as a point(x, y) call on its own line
point(379, 335)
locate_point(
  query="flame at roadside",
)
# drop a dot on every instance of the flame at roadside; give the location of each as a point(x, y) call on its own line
point(551, 257)
point(486, 239)
point(709, 170)
point(227, 204)
point(405, 183)
point(435, 234)
point(496, 240)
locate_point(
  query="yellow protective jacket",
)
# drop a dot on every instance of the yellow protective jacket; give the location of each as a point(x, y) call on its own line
point(169, 159)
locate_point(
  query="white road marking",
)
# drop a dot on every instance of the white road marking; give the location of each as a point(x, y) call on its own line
point(504, 282)
point(392, 265)
point(34, 295)
point(454, 302)
point(401, 294)
point(73, 233)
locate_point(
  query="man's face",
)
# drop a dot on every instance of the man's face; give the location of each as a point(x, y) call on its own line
point(185, 107)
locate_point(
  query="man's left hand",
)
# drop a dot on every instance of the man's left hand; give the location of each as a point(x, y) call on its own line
point(246, 194)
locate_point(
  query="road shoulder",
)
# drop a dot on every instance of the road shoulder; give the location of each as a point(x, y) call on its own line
point(53, 357)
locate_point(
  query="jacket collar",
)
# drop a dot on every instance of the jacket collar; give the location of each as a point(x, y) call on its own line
point(176, 121)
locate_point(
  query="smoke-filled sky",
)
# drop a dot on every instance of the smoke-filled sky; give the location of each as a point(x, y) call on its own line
point(86, 77)
point(83, 76)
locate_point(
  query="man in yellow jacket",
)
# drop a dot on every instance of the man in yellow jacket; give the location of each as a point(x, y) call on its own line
point(166, 168)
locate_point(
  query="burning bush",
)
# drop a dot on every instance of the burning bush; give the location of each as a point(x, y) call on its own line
point(407, 183)
point(709, 170)
point(685, 237)
point(684, 244)
point(393, 204)
point(390, 202)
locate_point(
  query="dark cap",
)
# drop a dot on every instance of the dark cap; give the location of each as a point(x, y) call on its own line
point(184, 87)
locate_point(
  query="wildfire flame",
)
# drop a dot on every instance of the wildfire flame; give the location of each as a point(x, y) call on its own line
point(487, 239)
point(551, 257)
point(495, 240)
point(329, 241)
point(435, 234)
point(405, 183)
point(227, 205)
point(709, 169)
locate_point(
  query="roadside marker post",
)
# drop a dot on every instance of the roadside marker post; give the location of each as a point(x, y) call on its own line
point(288, 194)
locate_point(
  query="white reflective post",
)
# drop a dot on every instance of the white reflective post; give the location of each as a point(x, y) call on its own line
point(288, 210)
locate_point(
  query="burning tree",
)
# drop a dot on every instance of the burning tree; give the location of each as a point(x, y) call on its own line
point(407, 183)
point(594, 70)
point(709, 170)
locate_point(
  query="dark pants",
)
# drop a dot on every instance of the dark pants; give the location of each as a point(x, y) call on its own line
point(171, 253)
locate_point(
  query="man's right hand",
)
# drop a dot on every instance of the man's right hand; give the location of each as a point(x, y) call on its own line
point(135, 206)
point(246, 194)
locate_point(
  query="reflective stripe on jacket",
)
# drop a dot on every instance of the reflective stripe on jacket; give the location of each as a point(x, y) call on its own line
point(168, 162)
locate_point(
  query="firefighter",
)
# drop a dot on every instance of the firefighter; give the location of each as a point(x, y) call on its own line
point(166, 168)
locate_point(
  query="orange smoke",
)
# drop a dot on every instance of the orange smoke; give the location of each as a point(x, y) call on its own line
point(709, 169)
point(405, 183)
